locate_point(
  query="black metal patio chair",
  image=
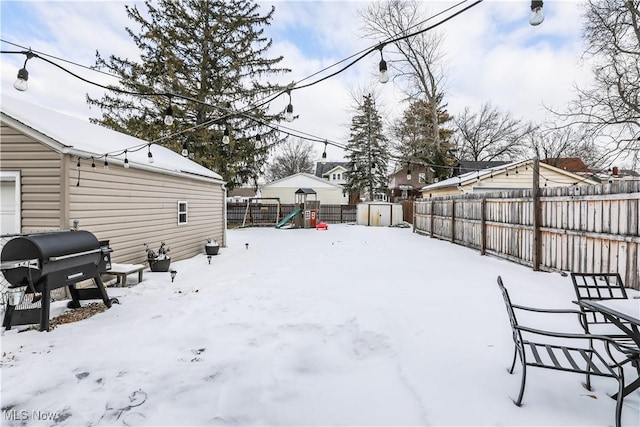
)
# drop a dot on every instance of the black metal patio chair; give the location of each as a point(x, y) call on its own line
point(569, 352)
point(604, 286)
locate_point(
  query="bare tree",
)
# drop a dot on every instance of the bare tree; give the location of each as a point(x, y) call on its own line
point(611, 105)
point(574, 141)
point(294, 156)
point(416, 62)
point(490, 134)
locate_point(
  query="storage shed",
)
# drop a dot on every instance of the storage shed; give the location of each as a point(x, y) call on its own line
point(379, 214)
point(52, 168)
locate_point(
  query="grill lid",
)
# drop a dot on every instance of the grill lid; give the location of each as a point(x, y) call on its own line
point(53, 251)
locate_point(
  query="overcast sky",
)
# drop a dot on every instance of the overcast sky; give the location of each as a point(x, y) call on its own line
point(492, 55)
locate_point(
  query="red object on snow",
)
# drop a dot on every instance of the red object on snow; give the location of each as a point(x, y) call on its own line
point(322, 226)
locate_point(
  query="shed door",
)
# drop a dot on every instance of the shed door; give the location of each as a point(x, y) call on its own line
point(379, 215)
point(9, 202)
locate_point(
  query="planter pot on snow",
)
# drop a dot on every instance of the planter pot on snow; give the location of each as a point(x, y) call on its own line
point(211, 249)
point(160, 265)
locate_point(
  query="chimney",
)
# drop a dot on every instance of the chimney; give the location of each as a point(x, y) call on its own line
point(614, 171)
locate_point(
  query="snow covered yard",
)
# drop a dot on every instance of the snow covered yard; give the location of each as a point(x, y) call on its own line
point(350, 326)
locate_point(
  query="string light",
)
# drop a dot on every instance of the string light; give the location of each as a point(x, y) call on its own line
point(168, 114)
point(288, 115)
point(384, 75)
point(227, 139)
point(93, 163)
point(225, 135)
point(149, 155)
point(23, 75)
point(408, 172)
point(106, 162)
point(126, 160)
point(258, 142)
point(323, 160)
point(185, 150)
point(78, 164)
point(537, 14)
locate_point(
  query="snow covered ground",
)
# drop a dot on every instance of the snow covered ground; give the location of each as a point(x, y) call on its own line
point(344, 327)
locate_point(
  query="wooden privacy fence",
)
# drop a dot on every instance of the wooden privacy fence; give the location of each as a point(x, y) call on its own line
point(578, 229)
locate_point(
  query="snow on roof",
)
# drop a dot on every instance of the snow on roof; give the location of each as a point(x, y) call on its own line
point(301, 180)
point(473, 175)
point(79, 137)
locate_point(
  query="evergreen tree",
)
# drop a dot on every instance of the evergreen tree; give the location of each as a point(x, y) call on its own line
point(417, 140)
point(207, 61)
point(367, 152)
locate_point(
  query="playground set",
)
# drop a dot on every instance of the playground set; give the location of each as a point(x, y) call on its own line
point(304, 215)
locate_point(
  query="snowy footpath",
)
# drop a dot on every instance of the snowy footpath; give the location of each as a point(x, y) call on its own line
point(353, 326)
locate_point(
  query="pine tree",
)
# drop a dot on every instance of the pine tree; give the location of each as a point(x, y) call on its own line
point(367, 152)
point(208, 62)
point(418, 142)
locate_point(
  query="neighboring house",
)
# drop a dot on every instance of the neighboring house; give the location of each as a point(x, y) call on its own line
point(173, 199)
point(571, 164)
point(511, 176)
point(334, 172)
point(285, 188)
point(241, 195)
point(615, 174)
point(405, 184)
point(466, 166)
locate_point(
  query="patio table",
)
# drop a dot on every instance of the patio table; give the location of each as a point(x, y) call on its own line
point(619, 311)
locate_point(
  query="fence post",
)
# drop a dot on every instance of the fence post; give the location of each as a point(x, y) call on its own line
point(431, 219)
point(483, 226)
point(537, 246)
point(413, 215)
point(453, 221)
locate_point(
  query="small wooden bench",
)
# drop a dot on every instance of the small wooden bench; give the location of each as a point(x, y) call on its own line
point(121, 271)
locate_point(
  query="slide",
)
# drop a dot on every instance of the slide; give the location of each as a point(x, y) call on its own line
point(288, 218)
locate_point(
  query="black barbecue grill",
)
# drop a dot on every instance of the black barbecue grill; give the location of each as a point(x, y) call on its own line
point(43, 262)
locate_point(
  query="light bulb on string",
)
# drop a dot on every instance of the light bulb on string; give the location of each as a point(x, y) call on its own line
point(23, 75)
point(537, 14)
point(93, 164)
point(324, 154)
point(106, 162)
point(288, 115)
point(185, 150)
point(382, 67)
point(225, 135)
point(258, 142)
point(149, 155)
point(168, 115)
point(126, 160)
point(78, 164)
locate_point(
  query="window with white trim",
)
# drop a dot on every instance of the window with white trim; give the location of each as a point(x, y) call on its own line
point(183, 208)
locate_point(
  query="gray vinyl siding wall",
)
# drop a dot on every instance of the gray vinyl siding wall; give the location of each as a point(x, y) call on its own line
point(129, 207)
point(41, 179)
